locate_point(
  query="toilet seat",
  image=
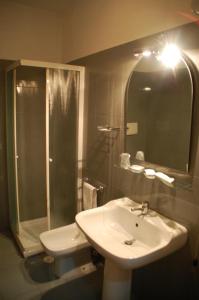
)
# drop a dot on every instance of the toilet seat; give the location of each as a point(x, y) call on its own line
point(63, 240)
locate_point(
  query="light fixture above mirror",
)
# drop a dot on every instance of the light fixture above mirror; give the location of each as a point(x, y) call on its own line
point(170, 55)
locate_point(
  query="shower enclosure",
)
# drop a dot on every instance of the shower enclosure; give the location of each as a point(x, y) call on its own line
point(45, 150)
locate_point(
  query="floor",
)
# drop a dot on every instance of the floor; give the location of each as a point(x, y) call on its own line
point(32, 278)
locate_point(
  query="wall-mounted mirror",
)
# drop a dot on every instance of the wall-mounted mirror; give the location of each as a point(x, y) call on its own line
point(158, 112)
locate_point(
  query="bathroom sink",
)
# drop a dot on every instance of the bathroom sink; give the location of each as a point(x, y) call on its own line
point(127, 238)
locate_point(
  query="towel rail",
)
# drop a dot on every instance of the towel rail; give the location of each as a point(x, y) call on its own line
point(99, 187)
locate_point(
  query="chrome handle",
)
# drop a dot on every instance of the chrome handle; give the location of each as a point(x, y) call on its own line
point(145, 204)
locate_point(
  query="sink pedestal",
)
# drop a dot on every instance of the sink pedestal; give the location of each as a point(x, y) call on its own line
point(117, 282)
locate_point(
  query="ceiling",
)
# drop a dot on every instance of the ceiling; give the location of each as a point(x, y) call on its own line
point(57, 6)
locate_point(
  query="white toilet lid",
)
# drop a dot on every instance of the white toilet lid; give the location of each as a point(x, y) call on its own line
point(63, 240)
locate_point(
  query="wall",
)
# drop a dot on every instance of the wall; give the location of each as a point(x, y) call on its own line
point(97, 25)
point(106, 79)
point(30, 33)
point(83, 27)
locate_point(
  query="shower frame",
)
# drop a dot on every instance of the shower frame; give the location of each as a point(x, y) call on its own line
point(79, 141)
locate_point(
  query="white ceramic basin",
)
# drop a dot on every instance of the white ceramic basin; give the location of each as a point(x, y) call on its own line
point(130, 240)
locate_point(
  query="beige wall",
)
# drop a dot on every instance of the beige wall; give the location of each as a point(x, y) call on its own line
point(86, 26)
point(30, 33)
point(95, 25)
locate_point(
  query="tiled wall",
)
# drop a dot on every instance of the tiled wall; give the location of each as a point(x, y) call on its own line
point(107, 75)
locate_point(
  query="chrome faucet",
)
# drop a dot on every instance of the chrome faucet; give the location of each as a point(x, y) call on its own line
point(144, 208)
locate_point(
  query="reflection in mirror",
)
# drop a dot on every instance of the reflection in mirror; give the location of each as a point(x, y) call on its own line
point(158, 111)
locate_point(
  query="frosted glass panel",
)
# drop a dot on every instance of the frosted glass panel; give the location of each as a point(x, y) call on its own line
point(62, 95)
point(10, 152)
point(31, 141)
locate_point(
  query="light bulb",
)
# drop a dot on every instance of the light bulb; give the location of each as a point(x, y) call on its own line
point(146, 53)
point(170, 56)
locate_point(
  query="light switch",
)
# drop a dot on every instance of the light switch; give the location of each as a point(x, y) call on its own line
point(132, 128)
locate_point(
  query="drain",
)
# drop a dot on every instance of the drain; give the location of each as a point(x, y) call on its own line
point(129, 242)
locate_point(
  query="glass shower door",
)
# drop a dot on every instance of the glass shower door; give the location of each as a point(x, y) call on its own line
point(62, 99)
point(30, 106)
point(45, 108)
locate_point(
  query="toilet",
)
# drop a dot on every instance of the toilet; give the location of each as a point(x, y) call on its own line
point(65, 243)
point(62, 244)
point(63, 240)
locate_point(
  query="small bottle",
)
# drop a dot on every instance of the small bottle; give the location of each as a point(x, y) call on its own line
point(125, 160)
point(139, 155)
